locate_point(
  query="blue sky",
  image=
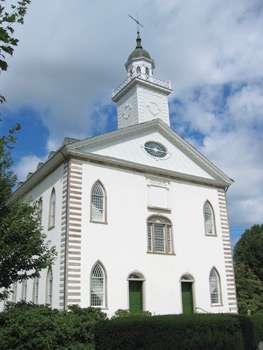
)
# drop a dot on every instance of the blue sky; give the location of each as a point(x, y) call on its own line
point(60, 80)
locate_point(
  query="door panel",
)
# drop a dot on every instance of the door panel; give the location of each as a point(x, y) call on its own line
point(187, 298)
point(135, 296)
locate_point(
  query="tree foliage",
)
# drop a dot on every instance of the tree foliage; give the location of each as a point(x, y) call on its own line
point(8, 18)
point(248, 257)
point(23, 251)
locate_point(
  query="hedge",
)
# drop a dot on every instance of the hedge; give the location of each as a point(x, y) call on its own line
point(27, 326)
point(176, 332)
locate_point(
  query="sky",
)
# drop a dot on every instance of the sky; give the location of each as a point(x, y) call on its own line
point(70, 58)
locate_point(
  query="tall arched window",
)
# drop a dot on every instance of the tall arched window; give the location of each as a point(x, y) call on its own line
point(24, 290)
point(39, 210)
point(52, 210)
point(138, 70)
point(160, 237)
point(98, 286)
point(98, 203)
point(209, 218)
point(14, 292)
point(147, 72)
point(215, 287)
point(49, 287)
point(35, 290)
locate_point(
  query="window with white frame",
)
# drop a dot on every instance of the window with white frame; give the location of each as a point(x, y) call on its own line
point(52, 210)
point(215, 287)
point(39, 210)
point(98, 203)
point(49, 287)
point(14, 292)
point(160, 238)
point(209, 218)
point(98, 286)
point(35, 290)
point(24, 290)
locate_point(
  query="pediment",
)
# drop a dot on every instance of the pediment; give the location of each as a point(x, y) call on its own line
point(128, 145)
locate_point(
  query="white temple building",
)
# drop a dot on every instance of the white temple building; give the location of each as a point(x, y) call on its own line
point(138, 216)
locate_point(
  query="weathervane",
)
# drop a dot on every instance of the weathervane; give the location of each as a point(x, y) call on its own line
point(137, 22)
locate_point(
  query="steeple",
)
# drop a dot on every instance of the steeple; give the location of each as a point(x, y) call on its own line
point(141, 97)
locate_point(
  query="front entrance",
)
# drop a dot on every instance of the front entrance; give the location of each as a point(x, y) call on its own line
point(135, 296)
point(187, 282)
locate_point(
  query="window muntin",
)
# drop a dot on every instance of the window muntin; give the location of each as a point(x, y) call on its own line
point(49, 287)
point(35, 290)
point(98, 287)
point(209, 219)
point(155, 149)
point(159, 235)
point(52, 210)
point(98, 203)
point(215, 287)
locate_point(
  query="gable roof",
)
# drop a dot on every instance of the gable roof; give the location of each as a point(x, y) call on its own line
point(73, 150)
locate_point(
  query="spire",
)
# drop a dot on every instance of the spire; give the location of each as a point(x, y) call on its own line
point(138, 41)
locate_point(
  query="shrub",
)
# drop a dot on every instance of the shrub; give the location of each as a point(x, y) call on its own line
point(175, 332)
point(127, 313)
point(27, 326)
point(257, 321)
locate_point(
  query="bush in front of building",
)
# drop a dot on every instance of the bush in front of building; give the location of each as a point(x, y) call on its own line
point(127, 313)
point(27, 326)
point(257, 321)
point(180, 332)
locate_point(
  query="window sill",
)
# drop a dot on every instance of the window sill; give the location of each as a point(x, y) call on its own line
point(165, 210)
point(159, 253)
point(217, 305)
point(99, 222)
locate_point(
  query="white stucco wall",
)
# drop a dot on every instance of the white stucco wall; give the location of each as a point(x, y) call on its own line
point(121, 244)
point(53, 236)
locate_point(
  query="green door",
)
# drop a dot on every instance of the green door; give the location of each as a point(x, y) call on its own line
point(135, 296)
point(187, 298)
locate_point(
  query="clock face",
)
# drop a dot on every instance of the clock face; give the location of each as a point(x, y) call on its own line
point(153, 108)
point(127, 111)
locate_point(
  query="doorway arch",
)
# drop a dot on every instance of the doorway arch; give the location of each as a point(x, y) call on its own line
point(187, 283)
point(135, 282)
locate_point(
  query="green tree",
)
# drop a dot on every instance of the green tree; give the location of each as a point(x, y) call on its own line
point(23, 251)
point(248, 258)
point(9, 16)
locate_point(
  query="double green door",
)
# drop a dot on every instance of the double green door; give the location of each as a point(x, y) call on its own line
point(135, 296)
point(187, 298)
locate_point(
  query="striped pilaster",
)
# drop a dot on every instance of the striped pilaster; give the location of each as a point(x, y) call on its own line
point(228, 258)
point(64, 218)
point(70, 293)
point(74, 233)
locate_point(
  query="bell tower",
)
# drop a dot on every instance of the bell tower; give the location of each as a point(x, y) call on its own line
point(141, 97)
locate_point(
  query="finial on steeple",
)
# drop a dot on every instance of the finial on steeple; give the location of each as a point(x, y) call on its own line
point(138, 41)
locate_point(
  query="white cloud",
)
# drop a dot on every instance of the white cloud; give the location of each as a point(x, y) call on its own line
point(71, 57)
point(26, 165)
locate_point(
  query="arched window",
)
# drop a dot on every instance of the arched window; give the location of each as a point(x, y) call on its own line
point(39, 210)
point(138, 70)
point(49, 287)
point(52, 210)
point(14, 292)
point(147, 72)
point(24, 290)
point(215, 287)
point(35, 290)
point(160, 238)
point(98, 286)
point(209, 218)
point(98, 203)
